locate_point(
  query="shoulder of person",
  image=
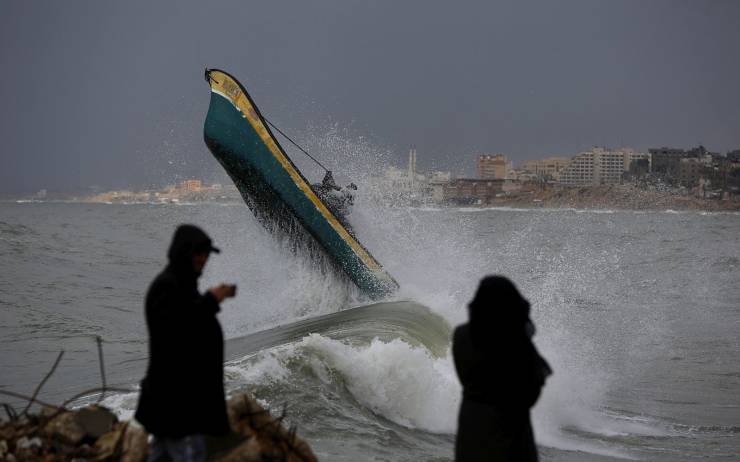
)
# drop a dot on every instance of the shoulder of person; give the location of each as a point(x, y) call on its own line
point(165, 277)
point(162, 282)
point(462, 329)
point(461, 334)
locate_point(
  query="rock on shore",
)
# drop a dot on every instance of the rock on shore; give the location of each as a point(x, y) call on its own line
point(93, 433)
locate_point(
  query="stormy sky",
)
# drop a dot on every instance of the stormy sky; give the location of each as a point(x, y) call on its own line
point(112, 93)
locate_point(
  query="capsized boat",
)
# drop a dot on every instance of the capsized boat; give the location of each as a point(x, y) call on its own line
point(273, 187)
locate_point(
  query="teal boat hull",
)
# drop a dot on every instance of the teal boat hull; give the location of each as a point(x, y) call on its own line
point(274, 189)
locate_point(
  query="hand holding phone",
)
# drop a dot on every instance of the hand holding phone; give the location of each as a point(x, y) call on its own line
point(223, 291)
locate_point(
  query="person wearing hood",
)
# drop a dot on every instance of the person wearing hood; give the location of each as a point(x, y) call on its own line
point(501, 374)
point(182, 395)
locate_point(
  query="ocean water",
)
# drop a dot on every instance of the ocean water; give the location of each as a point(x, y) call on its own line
point(638, 314)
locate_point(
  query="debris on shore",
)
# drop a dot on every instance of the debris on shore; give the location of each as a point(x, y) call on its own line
point(264, 436)
point(57, 434)
point(94, 433)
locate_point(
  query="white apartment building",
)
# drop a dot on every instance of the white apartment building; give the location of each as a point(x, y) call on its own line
point(600, 166)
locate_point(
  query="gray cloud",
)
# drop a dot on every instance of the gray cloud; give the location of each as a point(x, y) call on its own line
point(111, 93)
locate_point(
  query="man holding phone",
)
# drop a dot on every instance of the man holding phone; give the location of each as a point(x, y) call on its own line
point(182, 396)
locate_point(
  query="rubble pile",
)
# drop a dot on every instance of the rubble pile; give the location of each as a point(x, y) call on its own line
point(265, 436)
point(93, 433)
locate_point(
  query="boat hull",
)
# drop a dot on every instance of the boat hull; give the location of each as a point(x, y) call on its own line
point(274, 189)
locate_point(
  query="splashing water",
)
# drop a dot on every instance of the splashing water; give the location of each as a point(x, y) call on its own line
point(640, 372)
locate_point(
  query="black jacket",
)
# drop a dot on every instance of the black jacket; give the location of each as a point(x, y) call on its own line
point(501, 374)
point(183, 393)
point(509, 376)
point(499, 387)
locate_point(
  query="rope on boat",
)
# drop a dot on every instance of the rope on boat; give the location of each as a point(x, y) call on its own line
point(295, 144)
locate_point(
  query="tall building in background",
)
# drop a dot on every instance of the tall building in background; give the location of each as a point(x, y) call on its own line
point(547, 169)
point(412, 164)
point(493, 167)
point(665, 160)
point(600, 166)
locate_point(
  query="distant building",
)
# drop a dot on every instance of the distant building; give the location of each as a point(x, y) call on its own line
point(547, 169)
point(639, 169)
point(665, 160)
point(680, 167)
point(191, 185)
point(632, 156)
point(398, 179)
point(399, 186)
point(438, 177)
point(472, 190)
point(412, 164)
point(404, 181)
point(437, 181)
point(699, 151)
point(493, 167)
point(523, 175)
point(689, 171)
point(733, 167)
point(599, 166)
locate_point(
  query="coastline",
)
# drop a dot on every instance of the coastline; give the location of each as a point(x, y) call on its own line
point(614, 197)
point(625, 197)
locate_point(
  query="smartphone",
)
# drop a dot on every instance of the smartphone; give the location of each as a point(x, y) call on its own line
point(232, 290)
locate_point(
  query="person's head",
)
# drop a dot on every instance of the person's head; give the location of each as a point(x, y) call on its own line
point(199, 261)
point(497, 312)
point(190, 249)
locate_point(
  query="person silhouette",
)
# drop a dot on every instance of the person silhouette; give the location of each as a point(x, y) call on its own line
point(338, 200)
point(501, 373)
point(182, 395)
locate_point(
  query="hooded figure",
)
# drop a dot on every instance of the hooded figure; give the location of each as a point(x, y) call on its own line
point(183, 391)
point(501, 373)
